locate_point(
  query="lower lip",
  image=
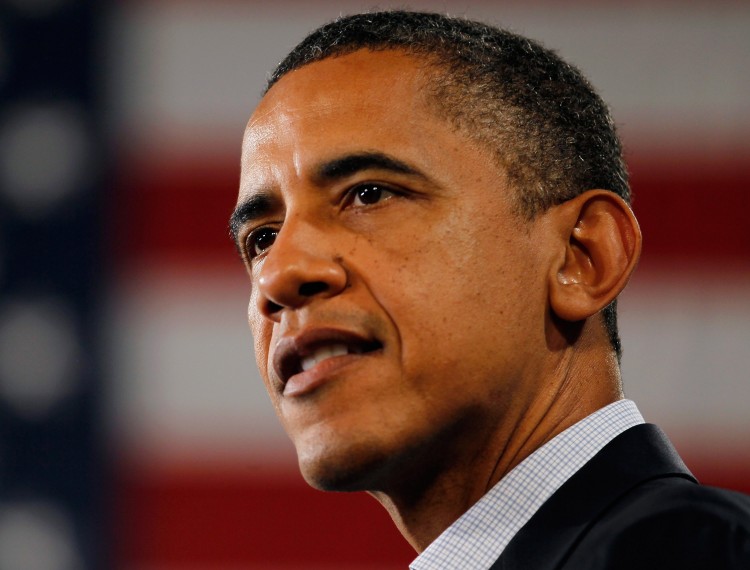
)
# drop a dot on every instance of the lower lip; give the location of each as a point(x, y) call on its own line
point(305, 382)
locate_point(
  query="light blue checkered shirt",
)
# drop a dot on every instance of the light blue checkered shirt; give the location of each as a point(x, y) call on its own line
point(477, 539)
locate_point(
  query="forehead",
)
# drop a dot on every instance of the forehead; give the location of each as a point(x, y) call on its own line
point(365, 98)
point(364, 78)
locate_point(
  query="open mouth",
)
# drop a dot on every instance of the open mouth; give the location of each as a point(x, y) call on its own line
point(336, 349)
point(294, 356)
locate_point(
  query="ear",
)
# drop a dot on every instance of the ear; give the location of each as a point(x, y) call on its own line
point(602, 244)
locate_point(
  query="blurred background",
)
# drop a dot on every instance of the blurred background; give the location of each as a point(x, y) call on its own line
point(134, 429)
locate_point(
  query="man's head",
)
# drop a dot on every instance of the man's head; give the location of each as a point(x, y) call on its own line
point(425, 255)
point(546, 125)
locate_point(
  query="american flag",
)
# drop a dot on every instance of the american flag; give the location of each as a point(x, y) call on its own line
point(202, 475)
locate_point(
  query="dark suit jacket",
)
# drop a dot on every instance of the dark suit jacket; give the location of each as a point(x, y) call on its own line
point(634, 506)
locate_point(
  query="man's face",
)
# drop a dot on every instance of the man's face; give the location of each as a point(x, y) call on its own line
point(397, 301)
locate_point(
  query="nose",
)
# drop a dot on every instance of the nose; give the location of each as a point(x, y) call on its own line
point(300, 266)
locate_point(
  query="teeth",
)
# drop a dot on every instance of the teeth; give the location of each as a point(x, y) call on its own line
point(323, 353)
point(339, 350)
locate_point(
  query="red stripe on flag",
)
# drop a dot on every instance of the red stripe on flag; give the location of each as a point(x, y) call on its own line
point(227, 516)
point(176, 213)
point(230, 516)
point(693, 212)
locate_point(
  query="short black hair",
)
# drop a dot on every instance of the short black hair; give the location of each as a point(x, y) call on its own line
point(545, 123)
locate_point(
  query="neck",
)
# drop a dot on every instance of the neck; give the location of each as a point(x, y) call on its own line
point(454, 475)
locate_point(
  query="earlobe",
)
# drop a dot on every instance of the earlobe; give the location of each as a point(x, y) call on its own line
point(602, 244)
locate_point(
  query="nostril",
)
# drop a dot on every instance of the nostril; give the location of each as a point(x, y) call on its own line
point(272, 307)
point(312, 288)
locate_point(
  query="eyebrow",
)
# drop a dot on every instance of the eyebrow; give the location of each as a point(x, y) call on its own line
point(260, 204)
point(353, 163)
point(255, 207)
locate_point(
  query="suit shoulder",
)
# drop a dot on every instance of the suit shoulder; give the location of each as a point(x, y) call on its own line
point(680, 497)
point(670, 523)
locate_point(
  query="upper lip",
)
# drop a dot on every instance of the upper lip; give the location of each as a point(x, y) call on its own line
point(290, 350)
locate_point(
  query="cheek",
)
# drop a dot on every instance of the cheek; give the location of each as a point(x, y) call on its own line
point(262, 342)
point(457, 289)
point(261, 331)
point(443, 269)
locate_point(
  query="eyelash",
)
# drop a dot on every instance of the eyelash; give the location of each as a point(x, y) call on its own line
point(379, 188)
point(251, 241)
point(351, 196)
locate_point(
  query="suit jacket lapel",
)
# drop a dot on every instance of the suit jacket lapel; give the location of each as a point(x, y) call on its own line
point(639, 454)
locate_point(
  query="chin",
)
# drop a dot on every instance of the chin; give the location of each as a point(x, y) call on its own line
point(351, 466)
point(374, 462)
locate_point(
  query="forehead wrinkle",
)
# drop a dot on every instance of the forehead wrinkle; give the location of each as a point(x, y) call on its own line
point(273, 128)
point(267, 106)
point(268, 123)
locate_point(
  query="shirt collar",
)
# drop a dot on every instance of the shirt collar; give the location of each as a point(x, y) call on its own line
point(481, 534)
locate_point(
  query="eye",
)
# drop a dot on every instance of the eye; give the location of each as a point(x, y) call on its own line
point(371, 193)
point(258, 241)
